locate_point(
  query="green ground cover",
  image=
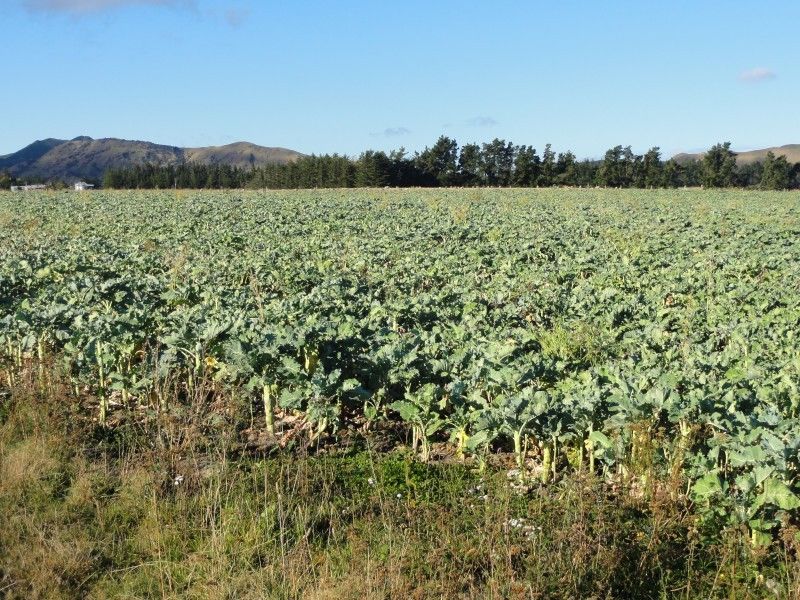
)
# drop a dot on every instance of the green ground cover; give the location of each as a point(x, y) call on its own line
point(636, 351)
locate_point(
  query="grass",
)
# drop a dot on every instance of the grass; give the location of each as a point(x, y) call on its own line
point(133, 513)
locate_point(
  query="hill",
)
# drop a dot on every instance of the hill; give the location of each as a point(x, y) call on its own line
point(23, 159)
point(240, 154)
point(87, 158)
point(791, 151)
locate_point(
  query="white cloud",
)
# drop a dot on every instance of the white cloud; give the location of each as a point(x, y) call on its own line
point(757, 75)
point(85, 6)
point(393, 131)
point(481, 122)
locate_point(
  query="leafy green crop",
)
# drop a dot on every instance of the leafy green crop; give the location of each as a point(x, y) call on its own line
point(614, 332)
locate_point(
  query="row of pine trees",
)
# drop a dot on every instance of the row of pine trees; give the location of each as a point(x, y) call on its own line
point(496, 163)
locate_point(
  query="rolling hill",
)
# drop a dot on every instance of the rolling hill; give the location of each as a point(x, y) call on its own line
point(791, 151)
point(87, 158)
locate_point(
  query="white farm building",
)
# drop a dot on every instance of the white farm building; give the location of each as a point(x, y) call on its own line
point(82, 185)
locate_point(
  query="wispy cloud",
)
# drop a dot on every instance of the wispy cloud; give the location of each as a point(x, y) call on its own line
point(757, 75)
point(481, 122)
point(87, 6)
point(236, 16)
point(393, 131)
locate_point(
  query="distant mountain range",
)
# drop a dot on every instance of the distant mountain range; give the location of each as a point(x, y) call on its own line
point(87, 158)
point(791, 151)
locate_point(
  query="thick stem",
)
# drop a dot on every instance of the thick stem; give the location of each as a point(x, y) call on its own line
point(461, 443)
point(40, 360)
point(102, 374)
point(321, 427)
point(518, 451)
point(269, 415)
point(546, 463)
point(311, 360)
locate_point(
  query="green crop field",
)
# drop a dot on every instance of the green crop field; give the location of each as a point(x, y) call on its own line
point(646, 340)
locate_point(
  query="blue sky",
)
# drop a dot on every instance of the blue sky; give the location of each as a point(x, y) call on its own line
point(323, 76)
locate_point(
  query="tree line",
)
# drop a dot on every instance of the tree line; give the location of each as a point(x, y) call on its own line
point(500, 163)
point(497, 163)
point(187, 176)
